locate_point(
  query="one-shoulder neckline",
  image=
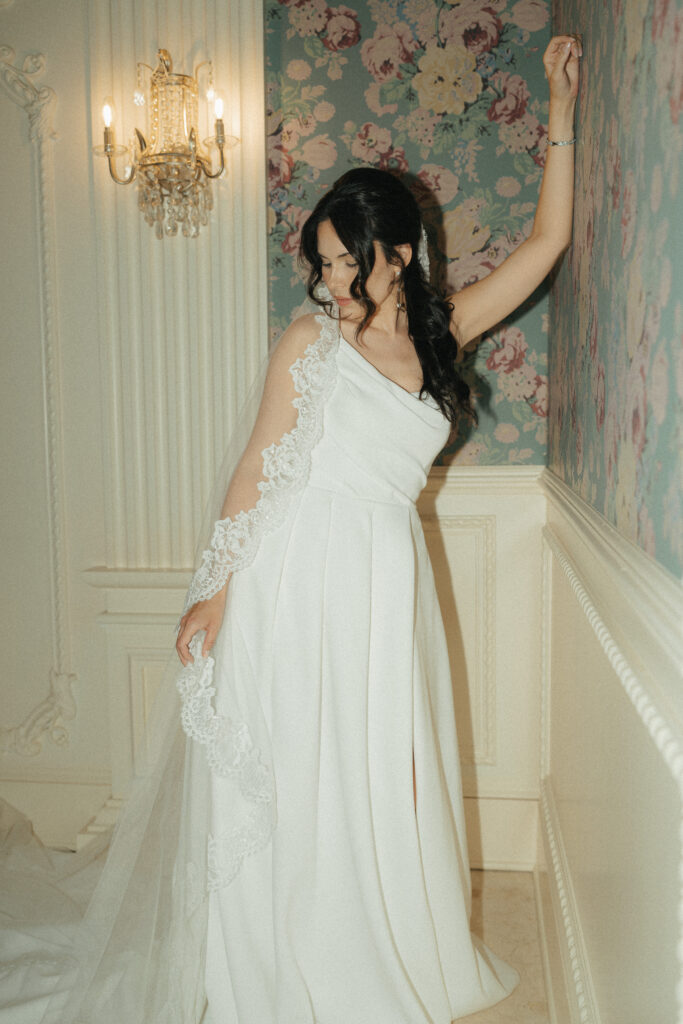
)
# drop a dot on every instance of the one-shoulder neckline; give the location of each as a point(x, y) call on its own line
point(389, 380)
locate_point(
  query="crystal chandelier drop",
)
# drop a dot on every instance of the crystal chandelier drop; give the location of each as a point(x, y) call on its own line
point(172, 169)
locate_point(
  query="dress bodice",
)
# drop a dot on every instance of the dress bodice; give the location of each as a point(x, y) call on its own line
point(379, 440)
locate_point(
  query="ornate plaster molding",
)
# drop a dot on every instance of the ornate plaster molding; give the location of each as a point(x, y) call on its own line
point(46, 719)
point(20, 84)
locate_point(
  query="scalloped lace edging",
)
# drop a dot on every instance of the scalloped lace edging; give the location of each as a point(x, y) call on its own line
point(286, 464)
point(230, 753)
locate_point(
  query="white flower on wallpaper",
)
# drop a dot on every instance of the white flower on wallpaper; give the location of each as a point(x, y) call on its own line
point(451, 96)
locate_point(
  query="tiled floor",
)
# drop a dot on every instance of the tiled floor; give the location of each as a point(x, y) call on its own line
point(504, 916)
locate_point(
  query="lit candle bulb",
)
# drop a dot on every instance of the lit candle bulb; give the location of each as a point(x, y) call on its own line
point(218, 108)
point(107, 115)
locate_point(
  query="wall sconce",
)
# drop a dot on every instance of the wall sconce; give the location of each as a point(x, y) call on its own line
point(172, 169)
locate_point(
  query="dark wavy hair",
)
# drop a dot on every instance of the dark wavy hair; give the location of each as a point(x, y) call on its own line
point(367, 205)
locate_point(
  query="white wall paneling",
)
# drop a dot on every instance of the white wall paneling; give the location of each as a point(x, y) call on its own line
point(483, 528)
point(184, 322)
point(148, 348)
point(21, 81)
point(612, 770)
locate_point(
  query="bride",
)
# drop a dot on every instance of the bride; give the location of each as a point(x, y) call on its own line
point(297, 853)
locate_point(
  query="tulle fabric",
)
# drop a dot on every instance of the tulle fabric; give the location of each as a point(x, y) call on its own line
point(138, 952)
point(187, 894)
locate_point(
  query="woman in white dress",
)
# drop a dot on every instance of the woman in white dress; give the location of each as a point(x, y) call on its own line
point(316, 675)
point(295, 853)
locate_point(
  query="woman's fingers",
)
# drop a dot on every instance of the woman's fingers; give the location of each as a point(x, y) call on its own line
point(204, 615)
point(561, 62)
point(182, 645)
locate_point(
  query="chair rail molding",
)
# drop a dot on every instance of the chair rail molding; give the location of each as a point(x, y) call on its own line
point(19, 84)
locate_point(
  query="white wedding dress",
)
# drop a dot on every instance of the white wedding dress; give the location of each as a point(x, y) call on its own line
point(311, 887)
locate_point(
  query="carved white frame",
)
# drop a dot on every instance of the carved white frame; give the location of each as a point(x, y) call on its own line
point(38, 101)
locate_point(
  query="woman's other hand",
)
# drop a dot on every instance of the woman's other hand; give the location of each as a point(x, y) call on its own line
point(204, 615)
point(561, 63)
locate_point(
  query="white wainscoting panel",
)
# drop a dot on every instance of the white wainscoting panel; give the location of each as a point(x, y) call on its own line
point(483, 528)
point(612, 771)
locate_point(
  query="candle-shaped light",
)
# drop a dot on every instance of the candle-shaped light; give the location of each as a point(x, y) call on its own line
point(108, 118)
point(218, 112)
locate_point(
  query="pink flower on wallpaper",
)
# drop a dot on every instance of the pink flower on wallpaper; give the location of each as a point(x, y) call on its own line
point(637, 404)
point(515, 95)
point(530, 14)
point(611, 449)
point(660, 19)
point(474, 25)
point(539, 403)
point(600, 396)
point(467, 269)
point(295, 216)
point(523, 135)
point(614, 179)
point(676, 91)
point(646, 530)
point(343, 28)
point(578, 441)
point(510, 351)
point(593, 335)
point(280, 166)
point(320, 152)
point(391, 46)
point(324, 111)
point(371, 142)
point(628, 213)
point(308, 17)
point(441, 184)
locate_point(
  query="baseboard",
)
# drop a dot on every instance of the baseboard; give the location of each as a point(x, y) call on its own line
point(57, 810)
point(501, 833)
point(568, 978)
point(548, 941)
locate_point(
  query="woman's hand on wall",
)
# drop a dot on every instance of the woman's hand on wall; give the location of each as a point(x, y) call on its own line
point(204, 615)
point(561, 63)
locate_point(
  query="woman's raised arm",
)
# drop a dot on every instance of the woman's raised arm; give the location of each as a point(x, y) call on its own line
point(481, 305)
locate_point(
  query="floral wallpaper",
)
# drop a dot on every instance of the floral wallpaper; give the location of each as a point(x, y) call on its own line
point(616, 359)
point(451, 95)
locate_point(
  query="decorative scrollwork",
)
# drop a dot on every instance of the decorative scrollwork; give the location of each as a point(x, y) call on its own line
point(44, 720)
point(19, 84)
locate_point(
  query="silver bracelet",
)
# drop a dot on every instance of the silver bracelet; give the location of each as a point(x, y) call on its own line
point(566, 142)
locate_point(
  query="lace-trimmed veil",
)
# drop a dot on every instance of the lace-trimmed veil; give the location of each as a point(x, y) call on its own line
point(139, 953)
